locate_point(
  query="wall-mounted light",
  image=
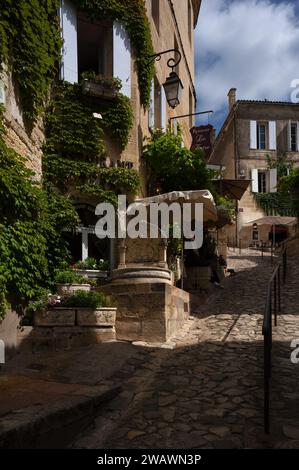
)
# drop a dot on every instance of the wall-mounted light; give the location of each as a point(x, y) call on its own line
point(173, 86)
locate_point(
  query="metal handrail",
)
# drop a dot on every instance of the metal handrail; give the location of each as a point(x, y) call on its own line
point(272, 307)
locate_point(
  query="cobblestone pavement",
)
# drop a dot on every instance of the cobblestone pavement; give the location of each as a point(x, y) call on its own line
point(204, 389)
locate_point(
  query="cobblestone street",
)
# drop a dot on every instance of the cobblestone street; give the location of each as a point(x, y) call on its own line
point(205, 388)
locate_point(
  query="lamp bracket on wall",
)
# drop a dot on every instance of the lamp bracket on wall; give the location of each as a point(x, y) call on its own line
point(172, 62)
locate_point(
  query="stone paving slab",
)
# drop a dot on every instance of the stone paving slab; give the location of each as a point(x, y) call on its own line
point(204, 388)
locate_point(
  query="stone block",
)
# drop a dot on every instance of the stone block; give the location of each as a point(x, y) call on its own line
point(99, 317)
point(55, 317)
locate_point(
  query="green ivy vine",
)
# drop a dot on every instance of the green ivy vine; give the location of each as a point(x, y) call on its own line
point(30, 44)
point(32, 220)
point(75, 147)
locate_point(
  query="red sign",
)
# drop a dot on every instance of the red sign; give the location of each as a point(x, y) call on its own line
point(203, 138)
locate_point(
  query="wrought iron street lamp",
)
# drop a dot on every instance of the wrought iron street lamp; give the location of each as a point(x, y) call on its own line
point(173, 86)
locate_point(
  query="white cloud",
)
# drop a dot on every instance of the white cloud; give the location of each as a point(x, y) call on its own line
point(252, 45)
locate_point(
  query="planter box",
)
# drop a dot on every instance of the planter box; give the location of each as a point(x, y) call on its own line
point(99, 89)
point(55, 317)
point(100, 317)
point(70, 289)
point(92, 273)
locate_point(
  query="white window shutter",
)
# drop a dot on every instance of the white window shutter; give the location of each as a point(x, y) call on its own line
point(151, 111)
point(68, 19)
point(289, 136)
point(253, 135)
point(163, 109)
point(272, 136)
point(273, 180)
point(255, 181)
point(122, 58)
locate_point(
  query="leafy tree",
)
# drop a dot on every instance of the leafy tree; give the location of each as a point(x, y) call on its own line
point(173, 166)
point(289, 187)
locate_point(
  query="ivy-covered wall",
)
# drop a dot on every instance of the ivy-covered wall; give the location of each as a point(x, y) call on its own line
point(34, 214)
point(30, 43)
point(75, 146)
point(32, 220)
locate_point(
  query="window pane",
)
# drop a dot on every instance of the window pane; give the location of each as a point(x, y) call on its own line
point(294, 137)
point(261, 136)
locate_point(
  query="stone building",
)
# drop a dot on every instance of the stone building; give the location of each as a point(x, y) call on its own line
point(253, 132)
point(104, 48)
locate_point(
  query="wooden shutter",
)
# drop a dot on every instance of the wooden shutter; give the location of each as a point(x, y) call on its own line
point(272, 136)
point(163, 109)
point(68, 19)
point(122, 58)
point(255, 181)
point(151, 111)
point(273, 180)
point(253, 135)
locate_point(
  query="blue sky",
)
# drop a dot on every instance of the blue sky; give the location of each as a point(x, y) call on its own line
point(252, 45)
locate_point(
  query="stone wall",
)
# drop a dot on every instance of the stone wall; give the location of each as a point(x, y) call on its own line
point(8, 332)
point(25, 141)
point(148, 312)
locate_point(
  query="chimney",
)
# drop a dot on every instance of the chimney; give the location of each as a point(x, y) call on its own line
point(232, 97)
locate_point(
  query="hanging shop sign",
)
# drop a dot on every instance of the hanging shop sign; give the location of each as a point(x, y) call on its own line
point(203, 137)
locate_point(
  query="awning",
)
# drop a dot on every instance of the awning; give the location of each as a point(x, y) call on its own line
point(233, 189)
point(274, 220)
point(202, 196)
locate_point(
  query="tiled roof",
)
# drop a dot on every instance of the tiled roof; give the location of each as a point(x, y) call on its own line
point(284, 103)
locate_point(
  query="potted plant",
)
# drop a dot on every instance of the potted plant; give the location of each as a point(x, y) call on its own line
point(49, 311)
point(90, 268)
point(92, 309)
point(83, 308)
point(68, 282)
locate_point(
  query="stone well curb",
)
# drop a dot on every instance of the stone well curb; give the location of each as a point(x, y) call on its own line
point(54, 426)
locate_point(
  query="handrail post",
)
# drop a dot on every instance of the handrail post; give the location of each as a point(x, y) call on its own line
point(279, 290)
point(275, 300)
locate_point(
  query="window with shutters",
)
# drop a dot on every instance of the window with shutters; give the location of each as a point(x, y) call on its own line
point(98, 47)
point(294, 137)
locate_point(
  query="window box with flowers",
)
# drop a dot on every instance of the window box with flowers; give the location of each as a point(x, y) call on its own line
point(100, 87)
point(68, 282)
point(83, 308)
point(92, 269)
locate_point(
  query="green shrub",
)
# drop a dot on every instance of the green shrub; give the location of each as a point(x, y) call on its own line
point(69, 276)
point(83, 299)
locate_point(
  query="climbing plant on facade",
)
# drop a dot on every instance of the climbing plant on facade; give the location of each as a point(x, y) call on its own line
point(32, 219)
point(75, 147)
point(279, 202)
point(30, 43)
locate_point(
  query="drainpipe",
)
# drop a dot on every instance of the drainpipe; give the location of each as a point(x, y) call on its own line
point(236, 173)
